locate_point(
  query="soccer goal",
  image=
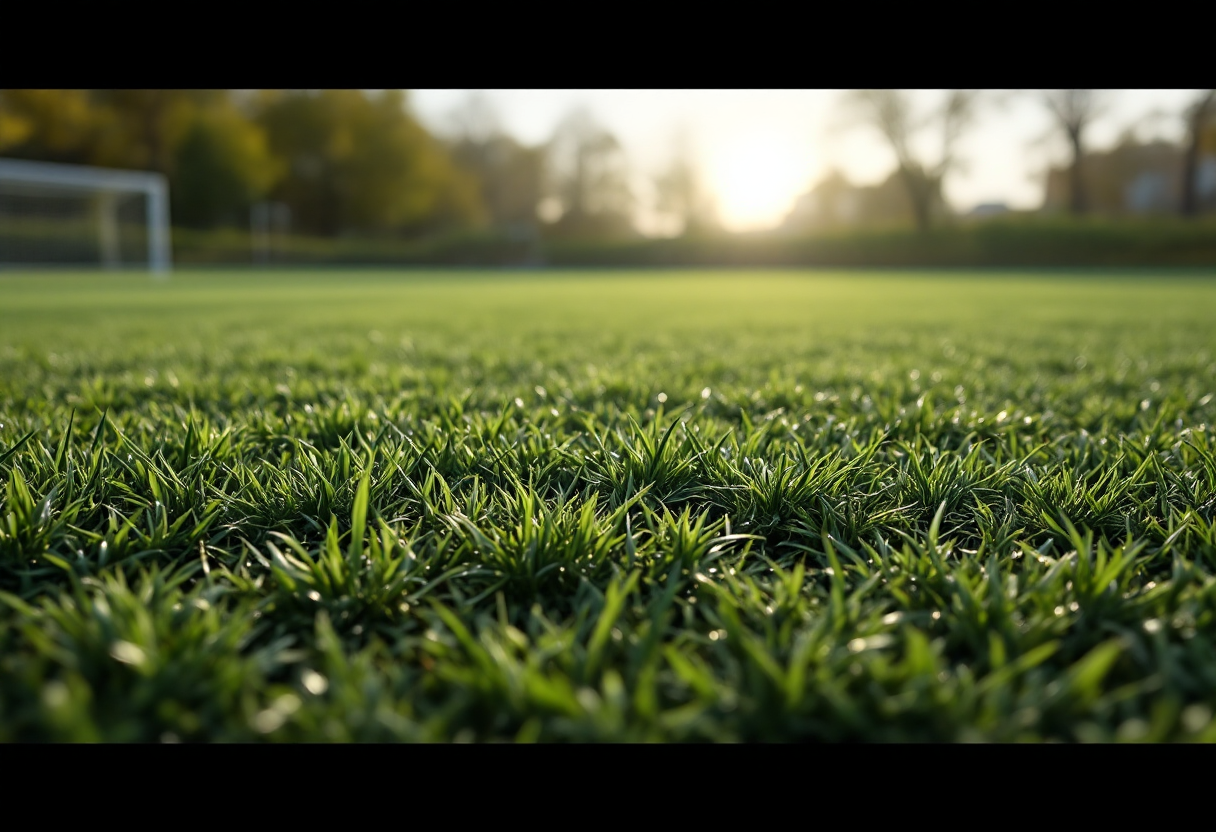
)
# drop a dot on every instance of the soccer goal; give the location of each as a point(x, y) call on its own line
point(61, 215)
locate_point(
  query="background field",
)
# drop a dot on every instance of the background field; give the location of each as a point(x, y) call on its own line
point(595, 505)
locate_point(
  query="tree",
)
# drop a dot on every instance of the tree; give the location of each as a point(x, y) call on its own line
point(142, 129)
point(510, 175)
point(1132, 177)
point(343, 160)
point(47, 125)
point(359, 162)
point(214, 158)
point(834, 202)
point(588, 176)
point(892, 114)
point(221, 167)
point(681, 195)
point(135, 129)
point(476, 121)
point(1197, 115)
point(1073, 111)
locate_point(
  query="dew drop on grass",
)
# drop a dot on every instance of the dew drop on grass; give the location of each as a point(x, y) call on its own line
point(1133, 729)
point(1196, 717)
point(127, 653)
point(268, 720)
point(56, 695)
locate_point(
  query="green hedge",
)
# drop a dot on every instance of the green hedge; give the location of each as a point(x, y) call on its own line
point(1014, 242)
point(999, 242)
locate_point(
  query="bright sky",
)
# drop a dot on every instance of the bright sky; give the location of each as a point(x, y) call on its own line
point(758, 150)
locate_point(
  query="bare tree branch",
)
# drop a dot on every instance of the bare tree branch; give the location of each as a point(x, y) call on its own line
point(891, 113)
point(1197, 115)
point(1073, 112)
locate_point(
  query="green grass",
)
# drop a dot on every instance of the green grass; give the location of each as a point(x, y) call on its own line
point(594, 506)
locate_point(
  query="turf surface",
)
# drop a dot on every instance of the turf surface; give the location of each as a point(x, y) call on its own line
point(597, 506)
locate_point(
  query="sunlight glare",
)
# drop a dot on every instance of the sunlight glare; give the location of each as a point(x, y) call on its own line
point(755, 179)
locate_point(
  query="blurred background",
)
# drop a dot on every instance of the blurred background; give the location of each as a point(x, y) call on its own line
point(618, 178)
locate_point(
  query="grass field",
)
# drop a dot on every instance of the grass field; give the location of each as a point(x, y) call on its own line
point(608, 506)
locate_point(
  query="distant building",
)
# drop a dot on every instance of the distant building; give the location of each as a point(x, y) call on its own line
point(831, 203)
point(1134, 178)
point(837, 203)
point(988, 209)
point(1205, 179)
point(1149, 193)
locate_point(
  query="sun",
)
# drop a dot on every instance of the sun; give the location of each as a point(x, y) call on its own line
point(756, 178)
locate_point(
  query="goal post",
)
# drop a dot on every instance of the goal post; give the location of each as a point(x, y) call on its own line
point(33, 190)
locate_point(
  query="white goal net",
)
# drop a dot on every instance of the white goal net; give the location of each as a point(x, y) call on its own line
point(71, 215)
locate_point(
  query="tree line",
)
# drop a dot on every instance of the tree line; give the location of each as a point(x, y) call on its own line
point(359, 163)
point(344, 162)
point(893, 115)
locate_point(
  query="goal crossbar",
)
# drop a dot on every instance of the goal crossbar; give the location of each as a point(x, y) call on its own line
point(83, 179)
